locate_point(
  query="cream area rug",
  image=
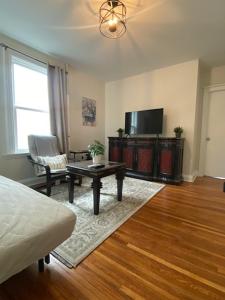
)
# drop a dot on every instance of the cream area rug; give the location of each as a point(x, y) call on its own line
point(91, 230)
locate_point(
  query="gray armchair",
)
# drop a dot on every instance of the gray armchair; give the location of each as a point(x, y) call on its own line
point(46, 146)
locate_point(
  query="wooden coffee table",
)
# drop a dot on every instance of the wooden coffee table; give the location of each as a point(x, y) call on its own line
point(81, 168)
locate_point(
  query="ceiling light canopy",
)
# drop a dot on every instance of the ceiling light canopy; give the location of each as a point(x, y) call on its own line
point(112, 15)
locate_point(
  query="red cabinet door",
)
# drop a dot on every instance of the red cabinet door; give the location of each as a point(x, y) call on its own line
point(114, 153)
point(145, 160)
point(128, 156)
point(166, 162)
point(167, 151)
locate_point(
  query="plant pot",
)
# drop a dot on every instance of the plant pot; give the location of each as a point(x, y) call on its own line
point(178, 135)
point(97, 159)
point(120, 134)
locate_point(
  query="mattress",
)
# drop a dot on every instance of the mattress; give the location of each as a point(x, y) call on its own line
point(31, 226)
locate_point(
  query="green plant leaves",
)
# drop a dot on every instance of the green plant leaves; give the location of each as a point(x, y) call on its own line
point(96, 148)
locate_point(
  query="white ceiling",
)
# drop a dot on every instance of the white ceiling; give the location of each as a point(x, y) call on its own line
point(160, 33)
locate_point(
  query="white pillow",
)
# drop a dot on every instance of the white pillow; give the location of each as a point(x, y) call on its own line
point(57, 162)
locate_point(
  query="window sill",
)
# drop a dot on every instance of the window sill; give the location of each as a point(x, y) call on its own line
point(15, 155)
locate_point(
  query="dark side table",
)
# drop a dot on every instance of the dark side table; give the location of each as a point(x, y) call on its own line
point(85, 154)
point(110, 168)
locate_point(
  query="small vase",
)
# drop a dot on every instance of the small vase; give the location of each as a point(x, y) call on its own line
point(97, 159)
point(178, 135)
point(120, 134)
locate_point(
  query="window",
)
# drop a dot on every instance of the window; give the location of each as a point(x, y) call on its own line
point(30, 108)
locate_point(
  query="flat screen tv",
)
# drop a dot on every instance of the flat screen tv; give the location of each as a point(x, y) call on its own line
point(144, 122)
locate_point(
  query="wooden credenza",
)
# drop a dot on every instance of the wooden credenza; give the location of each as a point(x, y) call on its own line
point(156, 159)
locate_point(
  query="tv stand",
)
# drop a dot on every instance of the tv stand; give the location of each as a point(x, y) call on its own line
point(149, 158)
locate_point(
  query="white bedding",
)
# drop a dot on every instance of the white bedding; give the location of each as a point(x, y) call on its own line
point(31, 226)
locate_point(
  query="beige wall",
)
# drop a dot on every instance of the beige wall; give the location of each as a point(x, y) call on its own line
point(173, 88)
point(177, 89)
point(83, 85)
point(217, 75)
point(16, 166)
point(212, 75)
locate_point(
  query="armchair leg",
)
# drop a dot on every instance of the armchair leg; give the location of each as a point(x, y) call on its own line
point(48, 184)
point(80, 180)
point(49, 189)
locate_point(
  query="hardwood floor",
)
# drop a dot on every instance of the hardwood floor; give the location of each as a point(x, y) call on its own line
point(173, 248)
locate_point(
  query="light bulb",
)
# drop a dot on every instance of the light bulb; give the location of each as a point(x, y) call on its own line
point(113, 25)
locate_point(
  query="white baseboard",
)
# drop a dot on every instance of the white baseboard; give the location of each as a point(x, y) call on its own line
point(191, 178)
point(195, 174)
point(32, 181)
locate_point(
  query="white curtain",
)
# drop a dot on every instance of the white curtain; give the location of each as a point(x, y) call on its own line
point(57, 80)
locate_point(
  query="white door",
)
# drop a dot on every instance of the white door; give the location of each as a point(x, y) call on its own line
point(215, 140)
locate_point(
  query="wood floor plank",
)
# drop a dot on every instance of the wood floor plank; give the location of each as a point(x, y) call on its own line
point(172, 248)
point(159, 274)
point(180, 270)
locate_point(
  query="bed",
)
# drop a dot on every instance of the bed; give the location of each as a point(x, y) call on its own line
point(31, 226)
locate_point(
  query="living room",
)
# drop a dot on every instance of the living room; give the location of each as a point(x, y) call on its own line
point(170, 57)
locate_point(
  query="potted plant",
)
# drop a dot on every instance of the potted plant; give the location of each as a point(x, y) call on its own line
point(120, 132)
point(97, 150)
point(178, 131)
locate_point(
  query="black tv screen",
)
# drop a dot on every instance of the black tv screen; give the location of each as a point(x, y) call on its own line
point(144, 122)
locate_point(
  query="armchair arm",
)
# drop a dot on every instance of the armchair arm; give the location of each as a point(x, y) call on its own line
point(33, 162)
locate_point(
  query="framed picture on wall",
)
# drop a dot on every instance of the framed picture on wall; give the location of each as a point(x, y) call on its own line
point(88, 112)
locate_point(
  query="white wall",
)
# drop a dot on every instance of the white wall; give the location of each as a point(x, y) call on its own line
point(84, 85)
point(173, 88)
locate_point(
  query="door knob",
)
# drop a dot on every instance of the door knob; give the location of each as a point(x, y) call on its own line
point(208, 139)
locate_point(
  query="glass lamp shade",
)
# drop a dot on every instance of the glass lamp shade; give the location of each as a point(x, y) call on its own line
point(112, 16)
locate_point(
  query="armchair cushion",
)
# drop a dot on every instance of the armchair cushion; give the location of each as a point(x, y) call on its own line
point(56, 163)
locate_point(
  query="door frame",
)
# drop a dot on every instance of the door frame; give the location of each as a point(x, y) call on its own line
point(205, 115)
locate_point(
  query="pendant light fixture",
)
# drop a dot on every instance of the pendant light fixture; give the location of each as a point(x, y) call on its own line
point(112, 15)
